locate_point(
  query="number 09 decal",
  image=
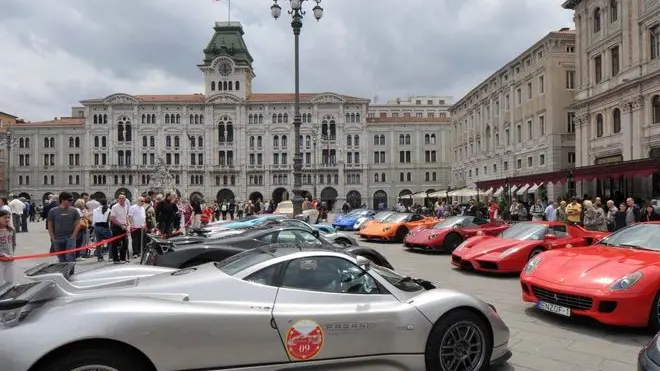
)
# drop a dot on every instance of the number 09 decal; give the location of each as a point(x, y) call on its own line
point(304, 340)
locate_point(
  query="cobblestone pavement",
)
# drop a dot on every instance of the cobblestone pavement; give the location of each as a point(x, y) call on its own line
point(540, 342)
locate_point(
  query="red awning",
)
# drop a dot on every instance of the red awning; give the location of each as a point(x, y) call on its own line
point(551, 177)
point(640, 168)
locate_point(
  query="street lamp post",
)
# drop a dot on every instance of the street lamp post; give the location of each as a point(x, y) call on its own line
point(315, 139)
point(297, 14)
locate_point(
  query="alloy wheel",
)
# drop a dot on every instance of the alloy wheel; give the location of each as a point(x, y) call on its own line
point(462, 348)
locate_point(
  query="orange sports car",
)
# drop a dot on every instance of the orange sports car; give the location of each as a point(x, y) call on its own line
point(395, 227)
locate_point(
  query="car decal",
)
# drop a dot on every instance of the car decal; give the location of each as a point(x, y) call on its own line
point(304, 340)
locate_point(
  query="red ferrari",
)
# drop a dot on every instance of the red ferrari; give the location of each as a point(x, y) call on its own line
point(510, 251)
point(616, 281)
point(449, 233)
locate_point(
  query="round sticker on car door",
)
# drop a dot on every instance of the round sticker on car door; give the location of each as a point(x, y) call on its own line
point(304, 340)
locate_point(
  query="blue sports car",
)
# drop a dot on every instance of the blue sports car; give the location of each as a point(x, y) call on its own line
point(347, 221)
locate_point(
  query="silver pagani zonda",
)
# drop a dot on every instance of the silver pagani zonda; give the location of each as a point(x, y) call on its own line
point(266, 309)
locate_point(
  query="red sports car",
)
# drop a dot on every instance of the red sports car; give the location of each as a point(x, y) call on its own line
point(510, 251)
point(616, 281)
point(449, 233)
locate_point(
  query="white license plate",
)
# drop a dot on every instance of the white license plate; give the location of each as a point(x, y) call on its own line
point(553, 308)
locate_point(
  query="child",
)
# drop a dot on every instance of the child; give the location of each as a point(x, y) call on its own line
point(7, 247)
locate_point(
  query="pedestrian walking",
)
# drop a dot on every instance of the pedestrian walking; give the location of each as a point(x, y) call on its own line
point(119, 229)
point(17, 208)
point(63, 227)
point(7, 248)
point(137, 220)
point(101, 223)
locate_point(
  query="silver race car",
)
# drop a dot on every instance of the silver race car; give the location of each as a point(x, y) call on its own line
point(266, 309)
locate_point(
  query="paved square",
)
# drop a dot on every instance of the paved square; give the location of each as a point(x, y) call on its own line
point(539, 341)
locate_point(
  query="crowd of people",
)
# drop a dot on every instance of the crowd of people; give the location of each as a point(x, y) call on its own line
point(591, 213)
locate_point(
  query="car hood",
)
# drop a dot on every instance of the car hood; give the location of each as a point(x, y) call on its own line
point(487, 245)
point(424, 234)
point(594, 267)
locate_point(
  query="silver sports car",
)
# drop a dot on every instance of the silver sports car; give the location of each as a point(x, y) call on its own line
point(266, 309)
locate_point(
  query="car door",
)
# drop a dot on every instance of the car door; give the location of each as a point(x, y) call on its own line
point(320, 314)
point(564, 239)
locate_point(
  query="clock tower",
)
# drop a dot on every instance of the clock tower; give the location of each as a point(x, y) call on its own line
point(227, 65)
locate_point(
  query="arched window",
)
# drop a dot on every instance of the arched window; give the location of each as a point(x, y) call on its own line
point(77, 145)
point(349, 140)
point(237, 85)
point(221, 132)
point(616, 121)
point(129, 132)
point(230, 132)
point(434, 176)
point(192, 142)
point(104, 141)
point(376, 177)
point(178, 118)
point(402, 139)
point(427, 139)
point(655, 106)
point(356, 140)
point(276, 141)
point(144, 141)
point(167, 119)
point(614, 10)
point(120, 131)
point(168, 141)
point(280, 118)
point(433, 138)
point(96, 141)
point(597, 20)
point(251, 142)
point(259, 142)
point(382, 139)
point(177, 142)
point(200, 141)
point(152, 141)
point(96, 119)
point(285, 118)
point(308, 141)
point(599, 125)
point(376, 141)
point(382, 177)
point(274, 118)
point(407, 138)
point(70, 142)
point(427, 176)
point(212, 85)
point(284, 141)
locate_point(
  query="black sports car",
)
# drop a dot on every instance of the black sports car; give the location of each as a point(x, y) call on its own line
point(190, 251)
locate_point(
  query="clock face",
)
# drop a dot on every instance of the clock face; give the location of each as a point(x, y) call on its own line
point(225, 68)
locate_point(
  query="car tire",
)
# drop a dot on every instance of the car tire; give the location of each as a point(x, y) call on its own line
point(442, 337)
point(534, 252)
point(452, 241)
point(654, 316)
point(401, 233)
point(94, 359)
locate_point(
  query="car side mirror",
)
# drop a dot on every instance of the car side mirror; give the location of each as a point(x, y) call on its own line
point(550, 237)
point(363, 263)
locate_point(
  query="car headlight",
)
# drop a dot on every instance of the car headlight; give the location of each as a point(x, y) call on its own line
point(532, 264)
point(433, 236)
point(461, 246)
point(624, 283)
point(509, 251)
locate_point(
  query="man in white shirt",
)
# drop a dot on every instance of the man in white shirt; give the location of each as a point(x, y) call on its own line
point(137, 219)
point(16, 207)
point(119, 227)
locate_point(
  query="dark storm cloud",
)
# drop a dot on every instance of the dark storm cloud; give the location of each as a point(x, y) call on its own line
point(385, 47)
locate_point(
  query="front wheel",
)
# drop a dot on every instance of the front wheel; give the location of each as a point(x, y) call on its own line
point(96, 360)
point(452, 241)
point(536, 251)
point(459, 341)
point(401, 233)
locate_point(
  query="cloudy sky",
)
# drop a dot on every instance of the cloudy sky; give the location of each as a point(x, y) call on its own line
point(57, 52)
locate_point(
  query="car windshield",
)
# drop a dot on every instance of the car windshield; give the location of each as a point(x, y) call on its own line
point(382, 215)
point(451, 222)
point(244, 260)
point(524, 231)
point(397, 218)
point(360, 212)
point(638, 236)
point(402, 283)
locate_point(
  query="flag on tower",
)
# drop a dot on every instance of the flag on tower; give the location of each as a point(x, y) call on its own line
point(228, 9)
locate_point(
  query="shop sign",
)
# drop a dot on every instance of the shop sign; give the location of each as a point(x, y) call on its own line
point(609, 160)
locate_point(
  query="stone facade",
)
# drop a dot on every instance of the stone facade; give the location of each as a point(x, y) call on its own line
point(617, 102)
point(516, 122)
point(230, 143)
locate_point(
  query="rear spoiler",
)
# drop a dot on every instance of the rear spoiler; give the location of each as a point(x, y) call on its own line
point(65, 269)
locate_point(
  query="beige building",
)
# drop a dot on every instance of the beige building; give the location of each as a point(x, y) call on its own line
point(232, 143)
point(513, 133)
point(416, 106)
point(617, 96)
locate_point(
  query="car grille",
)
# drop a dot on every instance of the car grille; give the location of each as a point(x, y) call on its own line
point(564, 300)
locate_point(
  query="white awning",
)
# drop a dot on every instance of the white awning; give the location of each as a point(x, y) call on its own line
point(513, 189)
point(420, 195)
point(522, 190)
point(464, 192)
point(534, 188)
point(438, 194)
point(487, 193)
point(499, 191)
